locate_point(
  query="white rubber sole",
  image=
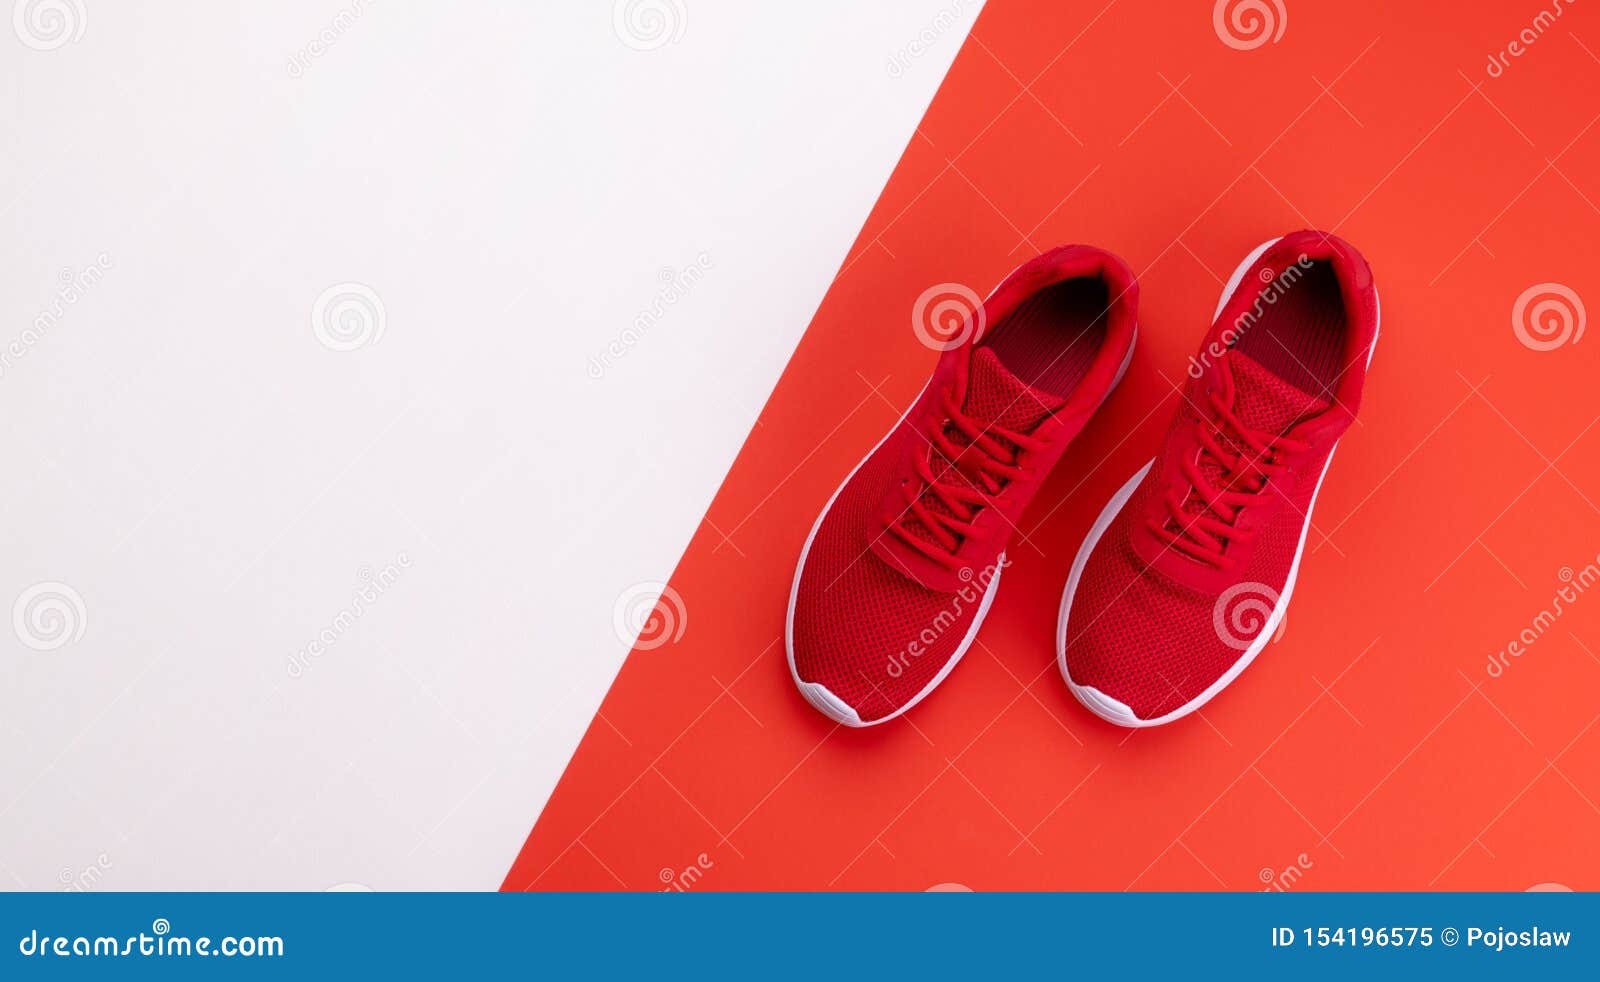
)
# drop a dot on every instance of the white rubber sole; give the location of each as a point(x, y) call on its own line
point(817, 694)
point(1113, 710)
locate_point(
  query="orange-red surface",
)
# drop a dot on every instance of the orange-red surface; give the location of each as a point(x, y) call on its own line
point(1370, 747)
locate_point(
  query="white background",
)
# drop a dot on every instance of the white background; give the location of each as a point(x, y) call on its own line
point(515, 184)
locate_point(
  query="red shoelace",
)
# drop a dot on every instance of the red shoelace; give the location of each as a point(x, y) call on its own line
point(988, 455)
point(1204, 534)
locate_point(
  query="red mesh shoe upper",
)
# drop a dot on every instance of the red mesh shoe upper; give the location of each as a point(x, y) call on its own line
point(1190, 569)
point(995, 396)
point(897, 569)
point(1151, 642)
point(874, 636)
point(1266, 401)
point(1262, 401)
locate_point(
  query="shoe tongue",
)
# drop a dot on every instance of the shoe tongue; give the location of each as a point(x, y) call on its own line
point(1265, 402)
point(995, 396)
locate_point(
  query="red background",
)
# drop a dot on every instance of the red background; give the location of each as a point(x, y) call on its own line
point(1369, 747)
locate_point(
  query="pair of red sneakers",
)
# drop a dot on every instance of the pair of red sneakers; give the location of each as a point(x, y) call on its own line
point(1185, 574)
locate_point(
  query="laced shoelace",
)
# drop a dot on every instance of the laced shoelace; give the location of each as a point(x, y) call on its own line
point(1204, 535)
point(989, 455)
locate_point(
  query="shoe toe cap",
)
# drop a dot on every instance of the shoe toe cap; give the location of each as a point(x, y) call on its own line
point(825, 702)
point(1106, 707)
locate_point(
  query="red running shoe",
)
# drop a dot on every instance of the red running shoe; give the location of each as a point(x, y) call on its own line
point(1185, 575)
point(903, 563)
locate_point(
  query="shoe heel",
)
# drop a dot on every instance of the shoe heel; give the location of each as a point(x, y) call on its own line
point(1122, 369)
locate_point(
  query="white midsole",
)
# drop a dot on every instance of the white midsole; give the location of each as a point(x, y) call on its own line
point(1113, 710)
